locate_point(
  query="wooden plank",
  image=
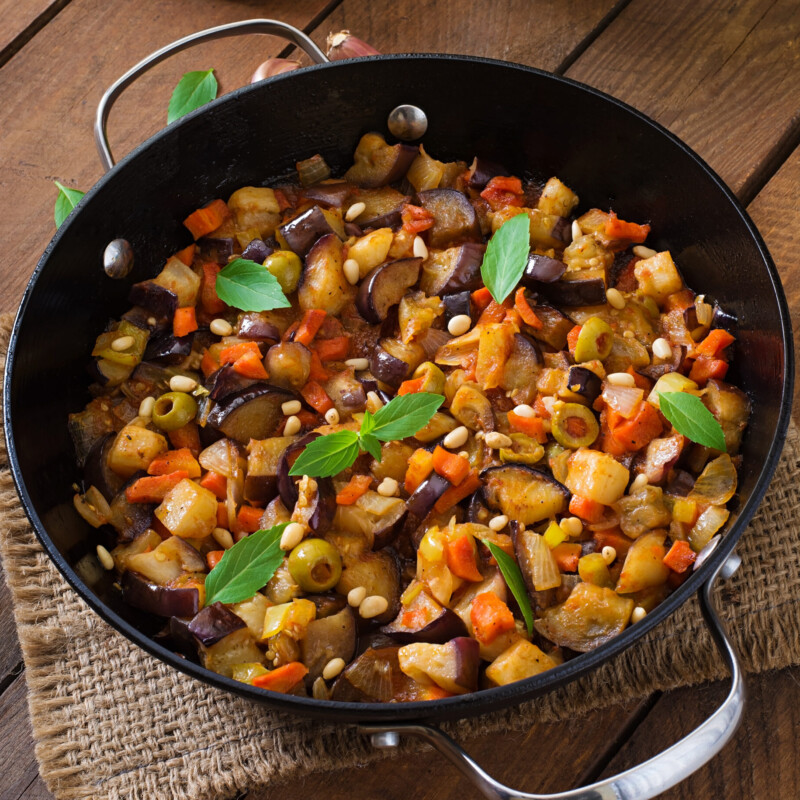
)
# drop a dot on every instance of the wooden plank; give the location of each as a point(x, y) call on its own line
point(21, 21)
point(725, 77)
point(17, 761)
point(36, 791)
point(10, 655)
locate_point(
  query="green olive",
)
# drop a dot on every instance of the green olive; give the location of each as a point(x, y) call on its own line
point(434, 377)
point(316, 565)
point(523, 450)
point(573, 425)
point(173, 410)
point(594, 340)
point(286, 267)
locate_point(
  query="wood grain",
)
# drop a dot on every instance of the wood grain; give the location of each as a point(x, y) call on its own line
point(21, 21)
point(17, 764)
point(10, 655)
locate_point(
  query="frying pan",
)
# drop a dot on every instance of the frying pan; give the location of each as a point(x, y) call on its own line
point(538, 125)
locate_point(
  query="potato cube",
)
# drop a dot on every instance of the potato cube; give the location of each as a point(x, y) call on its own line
point(188, 510)
point(234, 649)
point(252, 611)
point(644, 565)
point(255, 207)
point(181, 280)
point(557, 199)
point(371, 250)
point(597, 476)
point(522, 660)
point(658, 276)
point(134, 448)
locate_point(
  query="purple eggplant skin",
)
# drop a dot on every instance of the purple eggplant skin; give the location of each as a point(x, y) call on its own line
point(722, 319)
point(301, 232)
point(257, 250)
point(446, 626)
point(619, 266)
point(179, 639)
point(219, 250)
point(158, 300)
point(168, 349)
point(163, 601)
point(584, 382)
point(455, 218)
point(655, 371)
point(465, 273)
point(477, 510)
point(226, 381)
point(385, 286)
point(481, 171)
point(426, 494)
point(329, 637)
point(287, 488)
point(562, 230)
point(327, 604)
point(680, 483)
point(542, 269)
point(388, 368)
point(213, 623)
point(393, 220)
point(251, 413)
point(457, 304)
point(324, 507)
point(466, 661)
point(130, 520)
point(144, 319)
point(328, 195)
point(96, 471)
point(588, 292)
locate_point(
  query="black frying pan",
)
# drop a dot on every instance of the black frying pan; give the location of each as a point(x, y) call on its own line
point(536, 124)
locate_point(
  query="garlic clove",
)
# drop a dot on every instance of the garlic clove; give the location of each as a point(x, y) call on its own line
point(272, 67)
point(344, 45)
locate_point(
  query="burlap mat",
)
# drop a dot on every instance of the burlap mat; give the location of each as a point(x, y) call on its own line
point(112, 722)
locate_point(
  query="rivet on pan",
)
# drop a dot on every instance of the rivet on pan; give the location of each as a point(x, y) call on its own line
point(408, 122)
point(730, 566)
point(118, 259)
point(385, 740)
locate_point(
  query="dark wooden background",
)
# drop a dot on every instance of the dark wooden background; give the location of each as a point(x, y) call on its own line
point(724, 76)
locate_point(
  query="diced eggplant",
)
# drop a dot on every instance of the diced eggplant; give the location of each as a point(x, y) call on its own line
point(373, 516)
point(562, 230)
point(523, 493)
point(287, 484)
point(225, 382)
point(541, 269)
point(426, 495)
point(158, 300)
point(555, 326)
point(457, 304)
point(217, 249)
point(620, 273)
point(254, 325)
point(452, 666)
point(376, 570)
point(316, 504)
point(96, 471)
point(385, 286)
point(378, 163)
point(236, 648)
point(323, 284)
point(257, 250)
point(584, 382)
point(521, 368)
point(387, 367)
point(264, 455)
point(430, 622)
point(659, 458)
point(130, 520)
point(167, 561)
point(327, 604)
point(346, 392)
point(579, 292)
point(305, 229)
point(329, 637)
point(289, 364)
point(329, 195)
point(644, 564)
point(455, 218)
point(179, 638)
point(453, 270)
point(164, 601)
point(213, 623)
point(655, 371)
point(680, 483)
point(168, 349)
point(481, 171)
point(731, 407)
point(371, 678)
point(251, 413)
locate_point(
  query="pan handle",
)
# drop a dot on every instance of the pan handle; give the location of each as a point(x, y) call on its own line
point(247, 26)
point(638, 783)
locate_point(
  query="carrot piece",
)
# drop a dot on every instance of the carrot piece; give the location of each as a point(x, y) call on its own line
point(184, 321)
point(503, 191)
point(187, 436)
point(308, 419)
point(207, 219)
point(450, 465)
point(216, 483)
point(679, 301)
point(222, 516)
point(335, 349)
point(638, 431)
point(282, 679)
point(716, 341)
point(680, 556)
point(572, 338)
point(434, 692)
point(250, 365)
point(532, 426)
point(705, 368)
point(420, 465)
point(490, 617)
point(186, 255)
point(615, 538)
point(316, 397)
point(566, 556)
point(525, 311)
point(617, 228)
point(411, 386)
point(249, 518)
point(230, 355)
point(460, 554)
point(283, 203)
point(209, 299)
point(209, 364)
point(494, 312)
point(172, 460)
point(540, 408)
point(310, 323)
point(481, 298)
point(213, 557)
point(586, 509)
point(358, 486)
point(416, 219)
point(645, 384)
point(455, 494)
point(153, 488)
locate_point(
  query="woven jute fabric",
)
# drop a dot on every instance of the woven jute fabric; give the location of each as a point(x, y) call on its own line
point(112, 722)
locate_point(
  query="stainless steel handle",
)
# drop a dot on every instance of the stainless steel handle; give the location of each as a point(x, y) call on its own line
point(638, 783)
point(247, 26)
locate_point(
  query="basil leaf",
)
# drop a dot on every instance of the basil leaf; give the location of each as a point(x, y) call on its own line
point(690, 417)
point(194, 89)
point(515, 581)
point(367, 423)
point(405, 415)
point(327, 455)
point(246, 567)
point(67, 200)
point(248, 286)
point(506, 256)
point(369, 443)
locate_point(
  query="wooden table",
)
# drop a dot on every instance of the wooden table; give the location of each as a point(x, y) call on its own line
point(724, 76)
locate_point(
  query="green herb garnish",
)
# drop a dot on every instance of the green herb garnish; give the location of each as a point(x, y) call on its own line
point(248, 286)
point(400, 417)
point(506, 256)
point(194, 89)
point(246, 567)
point(67, 200)
point(690, 417)
point(513, 577)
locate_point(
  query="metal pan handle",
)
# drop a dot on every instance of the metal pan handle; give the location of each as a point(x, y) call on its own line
point(638, 783)
point(269, 26)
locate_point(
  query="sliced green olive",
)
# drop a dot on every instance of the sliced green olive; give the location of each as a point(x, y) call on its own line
point(286, 267)
point(316, 565)
point(523, 450)
point(173, 410)
point(594, 340)
point(433, 377)
point(573, 425)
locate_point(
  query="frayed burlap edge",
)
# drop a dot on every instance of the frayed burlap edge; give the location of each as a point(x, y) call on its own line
point(160, 733)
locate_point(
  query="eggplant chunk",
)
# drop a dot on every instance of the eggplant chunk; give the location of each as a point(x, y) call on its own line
point(305, 229)
point(213, 623)
point(541, 269)
point(580, 291)
point(378, 572)
point(378, 163)
point(731, 407)
point(523, 493)
point(555, 326)
point(96, 471)
point(385, 286)
point(452, 666)
point(327, 638)
point(289, 364)
point(455, 218)
point(590, 616)
point(453, 270)
point(164, 601)
point(323, 284)
point(238, 647)
point(425, 620)
point(251, 413)
point(167, 561)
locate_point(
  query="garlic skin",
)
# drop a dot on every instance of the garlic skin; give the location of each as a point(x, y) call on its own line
point(343, 44)
point(272, 67)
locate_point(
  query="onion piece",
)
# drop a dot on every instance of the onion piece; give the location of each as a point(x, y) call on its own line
point(235, 487)
point(217, 458)
point(708, 523)
point(425, 172)
point(272, 67)
point(431, 340)
point(344, 45)
point(622, 399)
point(717, 483)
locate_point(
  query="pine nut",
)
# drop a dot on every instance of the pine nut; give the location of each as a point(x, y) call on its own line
point(609, 554)
point(291, 407)
point(498, 523)
point(123, 343)
point(358, 363)
point(621, 379)
point(628, 334)
point(105, 557)
point(420, 250)
point(644, 252)
point(459, 324)
point(221, 327)
point(373, 606)
point(638, 614)
point(182, 383)
point(146, 407)
point(335, 665)
point(662, 348)
point(293, 534)
point(351, 271)
point(572, 526)
point(332, 416)
point(524, 410)
point(497, 440)
point(223, 538)
point(639, 482)
point(615, 298)
point(292, 426)
point(456, 438)
point(151, 321)
point(576, 230)
point(356, 596)
point(388, 487)
point(463, 454)
point(355, 210)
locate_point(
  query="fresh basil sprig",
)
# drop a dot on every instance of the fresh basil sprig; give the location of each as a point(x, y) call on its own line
point(248, 286)
point(690, 417)
point(194, 89)
point(67, 200)
point(513, 577)
point(246, 567)
point(506, 256)
point(402, 416)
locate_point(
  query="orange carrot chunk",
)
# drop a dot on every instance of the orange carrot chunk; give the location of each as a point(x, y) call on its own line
point(316, 397)
point(250, 365)
point(525, 311)
point(460, 554)
point(490, 617)
point(532, 426)
point(309, 325)
point(186, 255)
point(617, 228)
point(231, 354)
point(207, 219)
point(187, 436)
point(566, 556)
point(249, 518)
point(174, 460)
point(716, 341)
point(586, 509)
point(213, 557)
point(420, 465)
point(154, 488)
point(455, 494)
point(336, 349)
point(680, 556)
point(450, 465)
point(185, 321)
point(209, 299)
point(216, 483)
point(416, 219)
point(283, 679)
point(357, 487)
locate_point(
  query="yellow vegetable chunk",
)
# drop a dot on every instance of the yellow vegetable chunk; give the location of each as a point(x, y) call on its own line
point(134, 448)
point(255, 207)
point(188, 510)
point(371, 250)
point(556, 198)
point(181, 280)
point(252, 611)
point(231, 651)
point(658, 276)
point(596, 476)
point(522, 660)
point(644, 565)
